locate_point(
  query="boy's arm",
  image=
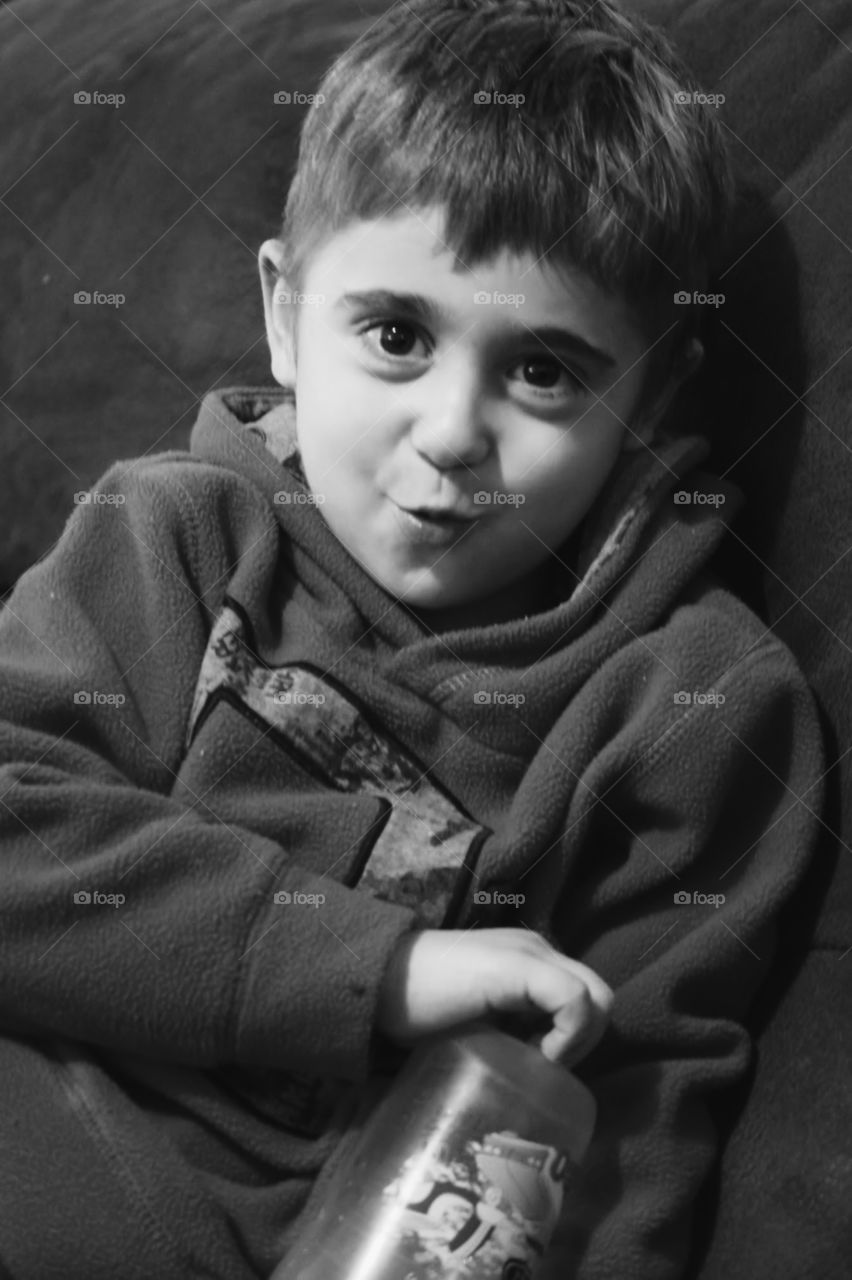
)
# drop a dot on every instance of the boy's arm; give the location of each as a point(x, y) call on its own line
point(196, 965)
point(721, 800)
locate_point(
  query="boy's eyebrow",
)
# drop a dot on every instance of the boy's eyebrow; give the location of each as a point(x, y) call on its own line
point(417, 307)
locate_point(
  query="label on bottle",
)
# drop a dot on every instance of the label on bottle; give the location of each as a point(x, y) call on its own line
point(485, 1209)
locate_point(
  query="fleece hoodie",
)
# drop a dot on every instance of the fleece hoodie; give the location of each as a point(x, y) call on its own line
point(210, 709)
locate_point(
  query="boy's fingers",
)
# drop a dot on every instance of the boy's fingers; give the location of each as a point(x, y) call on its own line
point(570, 1043)
point(576, 1015)
point(549, 992)
point(580, 1010)
point(599, 992)
point(568, 989)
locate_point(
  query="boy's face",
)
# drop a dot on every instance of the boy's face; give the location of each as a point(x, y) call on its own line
point(452, 451)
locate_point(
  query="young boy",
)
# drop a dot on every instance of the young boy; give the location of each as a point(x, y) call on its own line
point(406, 696)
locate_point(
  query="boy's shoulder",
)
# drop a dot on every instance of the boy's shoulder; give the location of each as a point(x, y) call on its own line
point(241, 437)
point(176, 483)
point(717, 647)
point(184, 509)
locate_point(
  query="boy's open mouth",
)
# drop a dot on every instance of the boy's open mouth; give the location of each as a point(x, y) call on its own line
point(461, 512)
point(434, 525)
point(440, 514)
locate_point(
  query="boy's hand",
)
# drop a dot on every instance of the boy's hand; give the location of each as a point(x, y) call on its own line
point(440, 978)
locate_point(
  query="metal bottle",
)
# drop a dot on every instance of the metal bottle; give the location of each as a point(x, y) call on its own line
point(461, 1170)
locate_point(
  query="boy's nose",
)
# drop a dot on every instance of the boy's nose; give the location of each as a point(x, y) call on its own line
point(450, 427)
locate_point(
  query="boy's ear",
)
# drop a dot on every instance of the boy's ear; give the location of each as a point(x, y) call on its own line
point(278, 314)
point(644, 427)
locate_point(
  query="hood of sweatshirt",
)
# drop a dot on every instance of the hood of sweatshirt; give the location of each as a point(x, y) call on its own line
point(655, 526)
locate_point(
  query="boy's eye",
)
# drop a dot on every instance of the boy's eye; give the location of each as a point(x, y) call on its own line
point(397, 337)
point(545, 372)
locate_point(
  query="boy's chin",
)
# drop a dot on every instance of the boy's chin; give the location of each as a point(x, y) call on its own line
point(448, 611)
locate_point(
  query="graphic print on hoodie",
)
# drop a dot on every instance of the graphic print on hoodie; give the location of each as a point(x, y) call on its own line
point(420, 848)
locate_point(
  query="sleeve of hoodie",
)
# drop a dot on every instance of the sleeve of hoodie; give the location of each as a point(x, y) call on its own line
point(196, 965)
point(686, 803)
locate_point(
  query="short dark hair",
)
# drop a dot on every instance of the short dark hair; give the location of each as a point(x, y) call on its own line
point(609, 164)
